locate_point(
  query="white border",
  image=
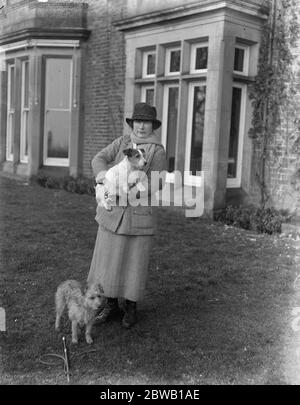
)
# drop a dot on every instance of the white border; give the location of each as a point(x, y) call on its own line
point(189, 179)
point(245, 70)
point(168, 61)
point(10, 114)
point(145, 64)
point(194, 48)
point(57, 161)
point(164, 128)
point(24, 113)
point(236, 182)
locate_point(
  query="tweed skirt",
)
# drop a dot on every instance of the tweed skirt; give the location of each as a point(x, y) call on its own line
point(120, 263)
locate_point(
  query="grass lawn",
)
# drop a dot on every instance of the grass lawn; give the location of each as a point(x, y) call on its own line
point(217, 309)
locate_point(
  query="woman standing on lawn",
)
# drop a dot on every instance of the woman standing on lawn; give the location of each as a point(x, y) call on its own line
point(124, 240)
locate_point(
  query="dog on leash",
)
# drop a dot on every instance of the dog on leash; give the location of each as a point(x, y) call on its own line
point(121, 177)
point(82, 307)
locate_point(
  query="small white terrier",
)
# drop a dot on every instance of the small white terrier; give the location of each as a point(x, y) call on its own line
point(119, 178)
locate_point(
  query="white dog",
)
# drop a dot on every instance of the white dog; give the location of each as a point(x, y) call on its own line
point(121, 177)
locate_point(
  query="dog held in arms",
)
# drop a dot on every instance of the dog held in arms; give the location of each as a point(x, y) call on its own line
point(82, 307)
point(121, 177)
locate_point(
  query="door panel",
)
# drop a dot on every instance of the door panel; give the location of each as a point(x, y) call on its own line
point(58, 129)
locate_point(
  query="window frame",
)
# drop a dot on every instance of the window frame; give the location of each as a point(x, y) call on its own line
point(144, 92)
point(170, 177)
point(24, 113)
point(235, 182)
point(190, 179)
point(193, 56)
point(168, 61)
point(246, 49)
point(48, 161)
point(10, 113)
point(145, 64)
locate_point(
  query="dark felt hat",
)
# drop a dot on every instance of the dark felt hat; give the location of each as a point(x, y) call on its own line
point(144, 112)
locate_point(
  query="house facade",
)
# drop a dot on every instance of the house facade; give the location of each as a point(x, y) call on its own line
point(71, 71)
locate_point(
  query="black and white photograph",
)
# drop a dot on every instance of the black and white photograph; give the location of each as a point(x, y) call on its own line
point(149, 195)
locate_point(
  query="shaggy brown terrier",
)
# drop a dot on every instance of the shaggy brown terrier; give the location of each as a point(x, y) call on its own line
point(82, 308)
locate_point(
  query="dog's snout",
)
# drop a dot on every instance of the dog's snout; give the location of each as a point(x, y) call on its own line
point(145, 162)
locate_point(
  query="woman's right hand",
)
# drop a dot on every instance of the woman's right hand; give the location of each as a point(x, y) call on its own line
point(102, 197)
point(100, 178)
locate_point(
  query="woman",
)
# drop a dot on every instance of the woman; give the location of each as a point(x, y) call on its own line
point(124, 240)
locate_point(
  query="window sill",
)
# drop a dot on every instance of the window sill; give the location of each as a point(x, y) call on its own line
point(194, 76)
point(144, 81)
point(243, 78)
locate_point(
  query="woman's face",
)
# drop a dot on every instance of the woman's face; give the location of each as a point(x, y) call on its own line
point(142, 129)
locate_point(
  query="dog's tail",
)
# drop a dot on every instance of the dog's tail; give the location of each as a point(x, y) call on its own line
point(60, 304)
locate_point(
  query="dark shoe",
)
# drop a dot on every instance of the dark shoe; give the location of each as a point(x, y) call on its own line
point(110, 310)
point(130, 317)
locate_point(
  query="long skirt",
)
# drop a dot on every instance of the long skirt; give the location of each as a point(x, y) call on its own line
point(120, 263)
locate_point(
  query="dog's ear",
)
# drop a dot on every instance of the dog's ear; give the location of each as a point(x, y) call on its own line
point(128, 152)
point(100, 288)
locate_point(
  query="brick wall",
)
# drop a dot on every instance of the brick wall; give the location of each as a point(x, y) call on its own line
point(104, 79)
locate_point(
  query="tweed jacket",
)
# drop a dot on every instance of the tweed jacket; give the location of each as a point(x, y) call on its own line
point(129, 220)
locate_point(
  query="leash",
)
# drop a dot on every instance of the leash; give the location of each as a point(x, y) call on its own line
point(64, 358)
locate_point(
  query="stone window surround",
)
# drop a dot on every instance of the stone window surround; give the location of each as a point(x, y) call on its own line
point(36, 50)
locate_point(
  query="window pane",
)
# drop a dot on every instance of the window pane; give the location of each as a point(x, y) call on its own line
point(26, 84)
point(57, 132)
point(197, 128)
point(150, 96)
point(58, 83)
point(10, 134)
point(10, 111)
point(12, 87)
point(151, 64)
point(172, 127)
point(175, 61)
point(26, 132)
point(234, 132)
point(201, 58)
point(239, 60)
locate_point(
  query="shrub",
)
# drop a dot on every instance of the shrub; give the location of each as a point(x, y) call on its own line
point(80, 185)
point(267, 220)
